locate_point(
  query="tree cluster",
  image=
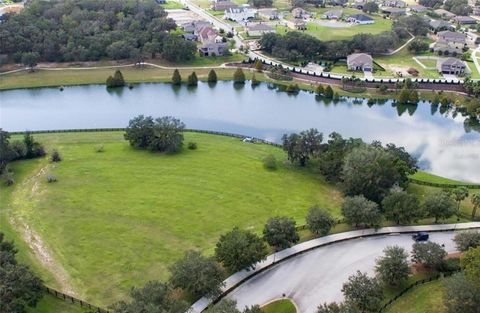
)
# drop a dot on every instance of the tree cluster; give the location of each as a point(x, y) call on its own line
point(431, 3)
point(90, 30)
point(116, 80)
point(19, 286)
point(458, 7)
point(164, 134)
point(261, 3)
point(16, 150)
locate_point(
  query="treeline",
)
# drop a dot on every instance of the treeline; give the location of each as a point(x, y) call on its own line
point(90, 30)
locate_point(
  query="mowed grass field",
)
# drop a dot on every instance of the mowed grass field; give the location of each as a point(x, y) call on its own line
point(119, 218)
point(422, 299)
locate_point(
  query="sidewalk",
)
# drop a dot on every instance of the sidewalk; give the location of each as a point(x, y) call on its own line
point(240, 277)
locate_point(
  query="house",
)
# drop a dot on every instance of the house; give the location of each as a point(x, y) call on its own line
point(465, 20)
point(161, 1)
point(268, 14)
point(190, 37)
point(451, 66)
point(358, 4)
point(451, 42)
point(223, 5)
point(257, 30)
point(360, 62)
point(417, 8)
point(297, 24)
point(360, 19)
point(206, 34)
point(333, 14)
point(438, 25)
point(213, 49)
point(394, 3)
point(240, 14)
point(476, 11)
point(393, 11)
point(299, 13)
point(444, 14)
point(194, 26)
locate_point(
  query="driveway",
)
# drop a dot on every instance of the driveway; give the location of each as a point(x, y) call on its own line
point(317, 276)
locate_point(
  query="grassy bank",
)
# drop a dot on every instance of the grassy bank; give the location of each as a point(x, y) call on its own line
point(426, 298)
point(118, 218)
point(50, 304)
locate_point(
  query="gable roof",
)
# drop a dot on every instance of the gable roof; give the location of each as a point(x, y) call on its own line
point(206, 32)
point(436, 24)
point(333, 13)
point(452, 36)
point(359, 59)
point(259, 27)
point(465, 19)
point(451, 62)
point(361, 17)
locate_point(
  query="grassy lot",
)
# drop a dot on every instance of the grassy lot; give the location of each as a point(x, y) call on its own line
point(125, 214)
point(331, 33)
point(403, 60)
point(50, 304)
point(426, 298)
point(280, 306)
point(170, 5)
point(428, 62)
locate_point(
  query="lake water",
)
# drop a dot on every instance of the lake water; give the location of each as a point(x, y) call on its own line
point(440, 142)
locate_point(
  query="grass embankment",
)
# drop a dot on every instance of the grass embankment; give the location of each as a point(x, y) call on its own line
point(432, 178)
point(117, 219)
point(280, 306)
point(50, 304)
point(427, 298)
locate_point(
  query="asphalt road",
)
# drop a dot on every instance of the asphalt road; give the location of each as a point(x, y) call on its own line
point(317, 276)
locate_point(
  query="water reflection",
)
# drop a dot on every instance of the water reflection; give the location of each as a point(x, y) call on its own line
point(445, 145)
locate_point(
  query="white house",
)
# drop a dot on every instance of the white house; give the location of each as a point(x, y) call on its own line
point(240, 14)
point(360, 19)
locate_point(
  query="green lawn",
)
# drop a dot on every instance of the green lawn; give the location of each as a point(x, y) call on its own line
point(402, 61)
point(426, 298)
point(280, 306)
point(117, 219)
point(50, 304)
point(432, 178)
point(170, 5)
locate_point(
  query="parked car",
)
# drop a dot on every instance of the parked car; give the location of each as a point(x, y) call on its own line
point(420, 236)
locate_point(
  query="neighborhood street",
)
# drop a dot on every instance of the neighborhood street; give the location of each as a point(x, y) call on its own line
point(317, 276)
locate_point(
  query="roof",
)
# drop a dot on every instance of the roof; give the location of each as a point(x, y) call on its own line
point(451, 62)
point(463, 19)
point(333, 13)
point(393, 10)
point(361, 17)
point(436, 24)
point(417, 8)
point(259, 27)
point(359, 59)
point(206, 32)
point(268, 11)
point(444, 12)
point(224, 5)
point(452, 36)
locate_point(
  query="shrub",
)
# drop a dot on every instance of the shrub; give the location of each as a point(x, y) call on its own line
point(99, 148)
point(19, 149)
point(270, 162)
point(212, 76)
point(51, 178)
point(176, 78)
point(116, 80)
point(9, 180)
point(192, 145)
point(319, 220)
point(449, 265)
point(239, 76)
point(192, 80)
point(430, 254)
point(55, 157)
point(466, 240)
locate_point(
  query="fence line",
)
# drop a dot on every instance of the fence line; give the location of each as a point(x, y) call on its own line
point(421, 182)
point(415, 284)
point(73, 300)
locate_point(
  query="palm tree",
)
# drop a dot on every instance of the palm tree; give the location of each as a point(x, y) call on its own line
point(476, 204)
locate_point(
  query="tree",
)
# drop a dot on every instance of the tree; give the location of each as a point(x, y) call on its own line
point(6, 152)
point(328, 92)
point(363, 293)
point(280, 232)
point(33, 148)
point(212, 76)
point(255, 81)
point(370, 171)
point(192, 80)
point(319, 221)
point(301, 147)
point(418, 45)
point(461, 295)
point(401, 207)
point(20, 287)
point(476, 204)
point(392, 268)
point(370, 7)
point(334, 307)
point(239, 76)
point(199, 275)
point(116, 80)
point(240, 249)
point(259, 65)
point(319, 90)
point(224, 306)
point(176, 78)
point(430, 254)
point(30, 60)
point(470, 263)
point(466, 240)
point(358, 210)
point(261, 3)
point(163, 134)
point(459, 194)
point(155, 297)
point(439, 205)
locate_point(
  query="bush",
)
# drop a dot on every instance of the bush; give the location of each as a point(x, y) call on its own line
point(449, 265)
point(430, 254)
point(116, 80)
point(192, 145)
point(51, 178)
point(99, 148)
point(270, 162)
point(9, 180)
point(19, 149)
point(466, 240)
point(56, 157)
point(319, 221)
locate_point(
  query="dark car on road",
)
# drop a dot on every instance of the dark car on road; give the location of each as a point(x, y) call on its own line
point(420, 236)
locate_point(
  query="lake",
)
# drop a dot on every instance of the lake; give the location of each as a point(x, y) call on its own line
point(440, 141)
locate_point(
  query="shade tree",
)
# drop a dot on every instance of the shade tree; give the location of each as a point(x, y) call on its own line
point(280, 232)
